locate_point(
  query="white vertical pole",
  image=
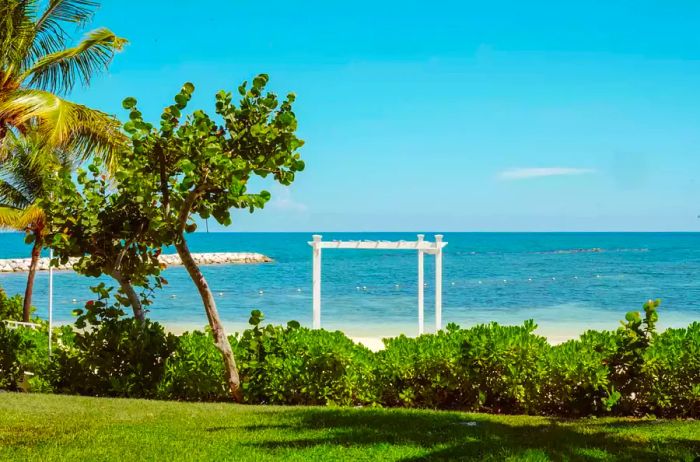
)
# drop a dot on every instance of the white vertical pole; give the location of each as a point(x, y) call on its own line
point(438, 282)
point(317, 281)
point(421, 322)
point(50, 298)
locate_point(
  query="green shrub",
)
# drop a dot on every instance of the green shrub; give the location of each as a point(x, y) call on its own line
point(34, 357)
point(424, 371)
point(111, 355)
point(504, 367)
point(30, 355)
point(11, 345)
point(576, 381)
point(119, 357)
point(491, 368)
point(671, 372)
point(626, 364)
point(296, 365)
point(11, 308)
point(487, 367)
point(195, 371)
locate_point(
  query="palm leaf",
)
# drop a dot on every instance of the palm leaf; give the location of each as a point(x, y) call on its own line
point(16, 35)
point(58, 71)
point(12, 197)
point(32, 54)
point(30, 152)
point(9, 217)
point(50, 35)
point(63, 124)
point(70, 11)
point(23, 175)
point(20, 220)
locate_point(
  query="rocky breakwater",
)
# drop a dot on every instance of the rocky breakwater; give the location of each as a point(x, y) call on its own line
point(18, 265)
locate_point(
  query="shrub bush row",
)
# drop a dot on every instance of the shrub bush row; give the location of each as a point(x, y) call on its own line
point(488, 368)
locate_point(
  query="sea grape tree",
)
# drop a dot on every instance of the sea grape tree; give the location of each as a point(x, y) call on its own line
point(201, 166)
point(103, 223)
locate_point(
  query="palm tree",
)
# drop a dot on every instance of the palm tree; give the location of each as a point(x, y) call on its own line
point(37, 67)
point(23, 179)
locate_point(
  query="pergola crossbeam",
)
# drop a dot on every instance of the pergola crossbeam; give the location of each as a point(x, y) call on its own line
point(429, 247)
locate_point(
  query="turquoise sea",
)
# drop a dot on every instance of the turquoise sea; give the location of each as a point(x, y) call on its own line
point(566, 282)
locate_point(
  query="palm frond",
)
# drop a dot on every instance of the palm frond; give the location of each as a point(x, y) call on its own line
point(23, 175)
point(50, 35)
point(6, 145)
point(30, 148)
point(16, 36)
point(12, 197)
point(58, 71)
point(12, 218)
point(70, 11)
point(64, 124)
point(33, 54)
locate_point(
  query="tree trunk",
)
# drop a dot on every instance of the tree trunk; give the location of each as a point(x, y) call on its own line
point(131, 294)
point(220, 339)
point(36, 254)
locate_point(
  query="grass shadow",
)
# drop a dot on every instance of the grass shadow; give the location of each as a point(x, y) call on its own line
point(454, 436)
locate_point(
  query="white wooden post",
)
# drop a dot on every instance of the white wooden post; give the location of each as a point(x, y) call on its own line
point(50, 298)
point(317, 281)
point(421, 285)
point(438, 282)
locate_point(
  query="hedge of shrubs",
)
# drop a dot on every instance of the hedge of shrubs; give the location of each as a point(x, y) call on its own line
point(488, 368)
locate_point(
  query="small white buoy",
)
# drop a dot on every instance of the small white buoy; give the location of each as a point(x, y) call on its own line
point(298, 290)
point(597, 275)
point(358, 287)
point(261, 292)
point(529, 279)
point(453, 283)
point(505, 280)
point(173, 296)
point(364, 287)
point(575, 277)
point(396, 285)
point(554, 279)
point(221, 294)
point(75, 300)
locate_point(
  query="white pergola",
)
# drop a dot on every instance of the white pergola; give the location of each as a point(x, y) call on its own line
point(421, 246)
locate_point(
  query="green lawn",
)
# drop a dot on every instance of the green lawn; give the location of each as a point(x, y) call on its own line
point(52, 427)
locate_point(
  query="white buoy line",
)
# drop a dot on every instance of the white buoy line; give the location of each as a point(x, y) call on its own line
point(364, 288)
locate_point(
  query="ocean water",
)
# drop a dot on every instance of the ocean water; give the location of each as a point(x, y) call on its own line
point(566, 282)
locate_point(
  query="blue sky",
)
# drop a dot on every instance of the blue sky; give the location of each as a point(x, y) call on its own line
point(450, 116)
